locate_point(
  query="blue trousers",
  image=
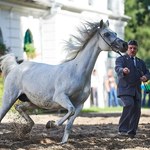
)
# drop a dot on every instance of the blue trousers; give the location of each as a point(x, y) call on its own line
point(144, 99)
point(113, 99)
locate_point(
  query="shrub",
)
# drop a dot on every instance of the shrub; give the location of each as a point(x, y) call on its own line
point(3, 49)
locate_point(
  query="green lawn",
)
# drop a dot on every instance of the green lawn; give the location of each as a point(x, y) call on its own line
point(103, 110)
point(1, 89)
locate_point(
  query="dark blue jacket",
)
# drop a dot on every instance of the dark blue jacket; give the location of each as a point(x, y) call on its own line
point(130, 84)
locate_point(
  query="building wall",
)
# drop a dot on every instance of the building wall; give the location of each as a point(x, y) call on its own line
point(10, 26)
point(14, 23)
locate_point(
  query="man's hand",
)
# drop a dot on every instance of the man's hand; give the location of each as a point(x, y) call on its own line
point(143, 78)
point(126, 70)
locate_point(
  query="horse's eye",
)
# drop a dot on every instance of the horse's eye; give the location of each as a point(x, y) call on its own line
point(107, 34)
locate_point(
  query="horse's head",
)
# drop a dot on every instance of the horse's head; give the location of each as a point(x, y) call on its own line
point(109, 40)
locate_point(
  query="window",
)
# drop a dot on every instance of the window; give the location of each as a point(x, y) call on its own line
point(109, 4)
point(90, 2)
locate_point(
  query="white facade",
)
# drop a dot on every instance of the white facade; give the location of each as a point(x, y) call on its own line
point(51, 22)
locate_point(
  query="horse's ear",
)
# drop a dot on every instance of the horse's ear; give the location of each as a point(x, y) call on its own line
point(107, 23)
point(101, 23)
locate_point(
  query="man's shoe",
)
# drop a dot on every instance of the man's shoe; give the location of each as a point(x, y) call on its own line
point(123, 134)
point(131, 136)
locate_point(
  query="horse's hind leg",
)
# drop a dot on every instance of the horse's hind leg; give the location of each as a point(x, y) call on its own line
point(9, 98)
point(21, 108)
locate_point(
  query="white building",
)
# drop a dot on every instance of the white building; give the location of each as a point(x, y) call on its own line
point(52, 21)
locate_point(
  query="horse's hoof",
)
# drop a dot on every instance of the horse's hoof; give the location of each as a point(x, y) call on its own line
point(50, 124)
point(63, 143)
point(26, 130)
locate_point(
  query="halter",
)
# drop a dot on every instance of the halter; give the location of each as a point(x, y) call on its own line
point(110, 45)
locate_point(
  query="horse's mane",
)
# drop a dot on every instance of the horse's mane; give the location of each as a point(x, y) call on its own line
point(7, 63)
point(77, 43)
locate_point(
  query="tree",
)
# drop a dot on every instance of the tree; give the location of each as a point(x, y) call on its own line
point(28, 37)
point(3, 49)
point(138, 26)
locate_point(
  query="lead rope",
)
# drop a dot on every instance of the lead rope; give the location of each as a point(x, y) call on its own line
point(119, 53)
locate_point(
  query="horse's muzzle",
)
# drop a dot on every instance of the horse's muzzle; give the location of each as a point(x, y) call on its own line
point(120, 45)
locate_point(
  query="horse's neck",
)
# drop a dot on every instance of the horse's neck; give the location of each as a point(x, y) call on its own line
point(87, 57)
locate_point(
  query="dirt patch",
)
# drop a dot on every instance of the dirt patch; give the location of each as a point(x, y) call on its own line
point(90, 131)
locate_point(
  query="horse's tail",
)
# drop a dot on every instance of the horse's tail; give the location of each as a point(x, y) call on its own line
point(7, 62)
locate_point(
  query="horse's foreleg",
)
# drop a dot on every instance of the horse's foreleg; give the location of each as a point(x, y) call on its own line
point(65, 102)
point(69, 124)
point(21, 108)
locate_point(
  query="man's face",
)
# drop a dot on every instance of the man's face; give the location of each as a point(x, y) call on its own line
point(132, 50)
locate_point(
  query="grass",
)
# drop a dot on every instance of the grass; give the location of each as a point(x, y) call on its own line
point(102, 110)
point(107, 110)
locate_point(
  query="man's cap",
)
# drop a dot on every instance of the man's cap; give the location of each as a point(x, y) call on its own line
point(133, 42)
